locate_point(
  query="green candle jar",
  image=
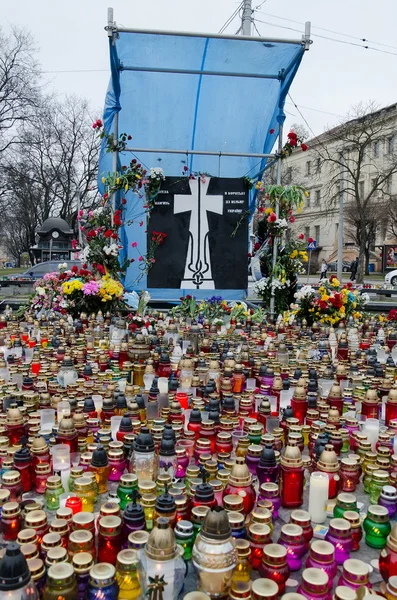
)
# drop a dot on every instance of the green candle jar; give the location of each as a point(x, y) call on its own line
point(75, 473)
point(184, 537)
point(148, 502)
point(379, 479)
point(85, 488)
point(53, 490)
point(344, 501)
point(128, 483)
point(376, 526)
point(369, 471)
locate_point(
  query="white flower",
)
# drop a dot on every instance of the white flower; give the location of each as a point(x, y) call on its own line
point(40, 291)
point(364, 298)
point(305, 291)
point(282, 223)
point(98, 211)
point(156, 173)
point(62, 266)
point(84, 254)
point(113, 250)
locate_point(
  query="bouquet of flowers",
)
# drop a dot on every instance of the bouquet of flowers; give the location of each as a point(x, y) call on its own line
point(330, 304)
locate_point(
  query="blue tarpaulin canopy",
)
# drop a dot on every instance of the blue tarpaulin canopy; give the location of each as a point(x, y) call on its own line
point(194, 92)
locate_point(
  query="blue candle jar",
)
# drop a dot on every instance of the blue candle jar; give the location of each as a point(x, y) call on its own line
point(102, 583)
point(82, 562)
point(388, 499)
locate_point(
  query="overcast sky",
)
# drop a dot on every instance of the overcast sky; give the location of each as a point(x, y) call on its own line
point(333, 76)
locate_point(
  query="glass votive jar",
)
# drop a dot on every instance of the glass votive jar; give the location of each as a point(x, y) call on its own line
point(355, 574)
point(263, 515)
point(55, 556)
point(109, 539)
point(217, 488)
point(148, 503)
point(264, 589)
point(11, 481)
point(184, 537)
point(85, 489)
point(102, 582)
point(379, 479)
point(128, 484)
point(27, 536)
point(75, 473)
point(258, 536)
point(117, 463)
point(237, 525)
point(4, 497)
point(274, 565)
point(252, 458)
point(291, 537)
point(339, 535)
point(233, 503)
point(349, 474)
point(84, 521)
point(82, 563)
point(60, 582)
point(182, 459)
point(314, 585)
point(322, 556)
point(81, 541)
point(302, 518)
point(61, 526)
point(388, 499)
point(270, 491)
point(66, 514)
point(137, 540)
point(128, 574)
point(376, 526)
point(344, 501)
point(53, 491)
point(38, 573)
point(355, 522)
point(50, 540)
point(369, 471)
point(242, 572)
point(37, 520)
point(74, 503)
point(11, 521)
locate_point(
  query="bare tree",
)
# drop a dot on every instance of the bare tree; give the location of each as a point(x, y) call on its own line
point(53, 171)
point(19, 83)
point(361, 154)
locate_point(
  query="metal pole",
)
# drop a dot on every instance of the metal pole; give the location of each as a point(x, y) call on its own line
point(340, 226)
point(278, 181)
point(79, 232)
point(308, 266)
point(246, 19)
point(199, 152)
point(115, 155)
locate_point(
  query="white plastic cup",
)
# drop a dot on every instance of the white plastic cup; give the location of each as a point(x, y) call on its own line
point(63, 410)
point(61, 457)
point(115, 426)
point(318, 497)
point(47, 419)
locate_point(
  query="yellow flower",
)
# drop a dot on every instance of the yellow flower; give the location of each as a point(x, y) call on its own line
point(126, 187)
point(325, 297)
point(137, 177)
point(307, 194)
point(303, 255)
point(71, 286)
point(342, 310)
point(118, 180)
point(258, 185)
point(268, 211)
point(294, 254)
point(103, 180)
point(335, 282)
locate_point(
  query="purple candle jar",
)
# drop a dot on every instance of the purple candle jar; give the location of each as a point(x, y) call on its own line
point(322, 556)
point(82, 563)
point(252, 458)
point(388, 499)
point(117, 463)
point(182, 460)
point(270, 491)
point(133, 520)
point(355, 574)
point(339, 534)
point(291, 537)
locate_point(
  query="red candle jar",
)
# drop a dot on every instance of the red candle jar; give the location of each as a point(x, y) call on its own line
point(328, 463)
point(11, 521)
point(240, 483)
point(349, 475)
point(322, 556)
point(109, 539)
point(258, 537)
point(81, 541)
point(43, 471)
point(291, 478)
point(274, 565)
point(11, 481)
point(203, 446)
point(15, 426)
point(335, 399)
point(67, 434)
point(183, 400)
point(61, 527)
point(299, 404)
point(22, 463)
point(75, 504)
point(37, 520)
point(302, 518)
point(84, 521)
point(391, 406)
point(370, 405)
point(194, 423)
point(223, 442)
point(343, 349)
point(355, 523)
point(208, 432)
point(291, 537)
point(388, 556)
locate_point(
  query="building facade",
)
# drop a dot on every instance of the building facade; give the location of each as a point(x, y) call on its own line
point(320, 216)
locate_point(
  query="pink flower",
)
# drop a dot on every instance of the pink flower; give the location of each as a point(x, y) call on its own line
point(74, 244)
point(91, 288)
point(134, 244)
point(140, 223)
point(140, 258)
point(271, 131)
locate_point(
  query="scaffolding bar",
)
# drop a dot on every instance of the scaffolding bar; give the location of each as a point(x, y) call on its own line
point(278, 76)
point(200, 152)
point(215, 36)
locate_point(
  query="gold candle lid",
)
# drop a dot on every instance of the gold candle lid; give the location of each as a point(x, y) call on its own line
point(138, 539)
point(82, 562)
point(127, 557)
point(274, 554)
point(243, 548)
point(51, 540)
point(264, 589)
point(315, 581)
point(300, 517)
point(236, 519)
point(36, 567)
point(56, 555)
point(109, 509)
point(83, 520)
point(54, 482)
point(353, 517)
point(81, 536)
point(240, 590)
point(27, 536)
point(10, 477)
point(29, 551)
point(355, 571)
point(60, 526)
point(36, 518)
point(233, 502)
point(292, 533)
point(11, 509)
point(64, 513)
point(342, 592)
point(261, 515)
point(259, 532)
point(323, 551)
point(61, 571)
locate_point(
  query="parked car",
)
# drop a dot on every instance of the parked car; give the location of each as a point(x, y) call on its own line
point(391, 277)
point(333, 266)
point(39, 270)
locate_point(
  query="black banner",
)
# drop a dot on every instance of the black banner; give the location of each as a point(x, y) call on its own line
point(199, 216)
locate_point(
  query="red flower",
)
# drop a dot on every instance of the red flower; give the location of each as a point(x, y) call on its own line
point(108, 233)
point(140, 223)
point(85, 265)
point(132, 260)
point(101, 269)
point(140, 258)
point(322, 305)
point(310, 240)
point(272, 217)
point(271, 131)
point(292, 219)
point(304, 147)
point(292, 135)
point(134, 244)
point(249, 255)
point(188, 297)
point(301, 236)
point(392, 316)
point(91, 234)
point(152, 260)
point(105, 196)
point(257, 246)
point(349, 285)
point(293, 142)
point(261, 209)
point(129, 137)
point(114, 236)
point(336, 301)
point(99, 123)
point(158, 237)
point(185, 168)
point(74, 244)
point(117, 217)
point(123, 201)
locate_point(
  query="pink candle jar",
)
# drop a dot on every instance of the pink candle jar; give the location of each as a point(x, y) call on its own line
point(116, 463)
point(314, 585)
point(291, 537)
point(302, 518)
point(355, 574)
point(253, 457)
point(203, 446)
point(182, 462)
point(339, 534)
point(270, 491)
point(11, 521)
point(322, 556)
point(43, 471)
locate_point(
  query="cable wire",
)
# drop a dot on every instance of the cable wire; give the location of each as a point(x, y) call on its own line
point(231, 18)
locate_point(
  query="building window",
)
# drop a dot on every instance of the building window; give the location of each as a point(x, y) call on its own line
point(288, 175)
point(390, 144)
point(317, 198)
point(361, 188)
point(307, 232)
point(318, 165)
point(308, 201)
point(308, 165)
point(376, 149)
point(317, 234)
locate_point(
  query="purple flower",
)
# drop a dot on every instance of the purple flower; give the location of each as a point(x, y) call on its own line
point(91, 288)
